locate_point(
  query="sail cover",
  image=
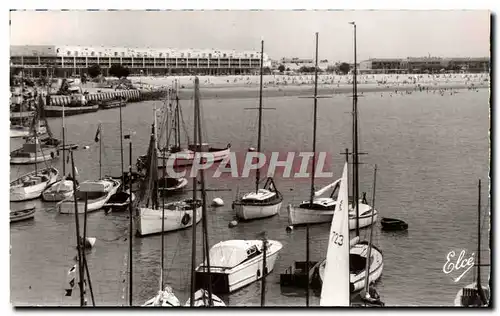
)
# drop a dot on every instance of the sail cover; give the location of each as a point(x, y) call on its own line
point(335, 290)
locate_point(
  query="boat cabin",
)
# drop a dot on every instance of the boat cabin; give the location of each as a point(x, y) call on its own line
point(261, 196)
point(93, 189)
point(325, 204)
point(231, 253)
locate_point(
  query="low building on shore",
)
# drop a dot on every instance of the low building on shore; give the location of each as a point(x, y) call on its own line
point(66, 61)
point(424, 65)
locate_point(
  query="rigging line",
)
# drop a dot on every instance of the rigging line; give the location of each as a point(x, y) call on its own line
point(186, 133)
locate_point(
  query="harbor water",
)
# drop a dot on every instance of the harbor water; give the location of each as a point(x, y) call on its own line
point(430, 149)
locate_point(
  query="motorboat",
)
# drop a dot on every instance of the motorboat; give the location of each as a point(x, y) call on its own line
point(236, 263)
point(97, 194)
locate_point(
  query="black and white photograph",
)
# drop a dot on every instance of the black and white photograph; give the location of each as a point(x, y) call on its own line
point(250, 158)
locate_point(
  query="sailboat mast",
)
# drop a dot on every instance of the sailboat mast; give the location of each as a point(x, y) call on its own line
point(36, 158)
point(368, 256)
point(313, 164)
point(77, 228)
point(163, 224)
point(479, 287)
point(204, 200)
point(259, 135)
point(314, 121)
point(264, 269)
point(63, 140)
point(355, 134)
point(121, 146)
point(100, 152)
point(130, 224)
point(195, 187)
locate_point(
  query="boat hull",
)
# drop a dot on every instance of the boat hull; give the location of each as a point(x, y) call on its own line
point(187, 158)
point(25, 132)
point(23, 193)
point(150, 221)
point(249, 211)
point(68, 206)
point(22, 215)
point(201, 299)
point(472, 286)
point(229, 280)
point(51, 194)
point(56, 111)
point(48, 154)
point(302, 216)
point(357, 280)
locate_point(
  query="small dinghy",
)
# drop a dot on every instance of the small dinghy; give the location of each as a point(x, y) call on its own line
point(119, 201)
point(165, 298)
point(201, 299)
point(393, 224)
point(31, 185)
point(21, 215)
point(58, 191)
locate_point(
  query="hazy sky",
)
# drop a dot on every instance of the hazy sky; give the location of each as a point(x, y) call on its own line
point(380, 34)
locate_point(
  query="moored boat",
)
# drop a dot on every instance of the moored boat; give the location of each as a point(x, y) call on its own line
point(116, 102)
point(357, 266)
point(393, 224)
point(165, 298)
point(265, 202)
point(177, 157)
point(97, 194)
point(120, 200)
point(58, 191)
point(57, 111)
point(33, 152)
point(202, 299)
point(475, 294)
point(19, 131)
point(21, 215)
point(31, 185)
point(236, 263)
point(178, 215)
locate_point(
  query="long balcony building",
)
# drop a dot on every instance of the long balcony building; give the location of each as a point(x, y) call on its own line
point(68, 61)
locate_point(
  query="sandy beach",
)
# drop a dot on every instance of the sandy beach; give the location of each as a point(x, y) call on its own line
point(301, 85)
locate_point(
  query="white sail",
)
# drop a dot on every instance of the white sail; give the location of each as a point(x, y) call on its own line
point(335, 290)
point(326, 188)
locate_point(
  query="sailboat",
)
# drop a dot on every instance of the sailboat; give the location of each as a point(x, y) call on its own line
point(321, 209)
point(19, 123)
point(177, 215)
point(36, 150)
point(177, 155)
point(204, 295)
point(264, 202)
point(165, 296)
point(95, 193)
point(342, 271)
point(62, 189)
point(360, 251)
point(121, 199)
point(31, 185)
point(475, 294)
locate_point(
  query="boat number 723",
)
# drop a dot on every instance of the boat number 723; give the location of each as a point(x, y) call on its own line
point(337, 239)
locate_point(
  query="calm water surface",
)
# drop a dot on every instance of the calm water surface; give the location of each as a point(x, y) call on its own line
point(430, 151)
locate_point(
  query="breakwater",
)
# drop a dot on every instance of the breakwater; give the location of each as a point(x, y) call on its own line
point(58, 102)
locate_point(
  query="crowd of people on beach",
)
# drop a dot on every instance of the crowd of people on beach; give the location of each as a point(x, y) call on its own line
point(277, 81)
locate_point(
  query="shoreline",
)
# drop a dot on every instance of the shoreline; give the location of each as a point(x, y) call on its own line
point(324, 90)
